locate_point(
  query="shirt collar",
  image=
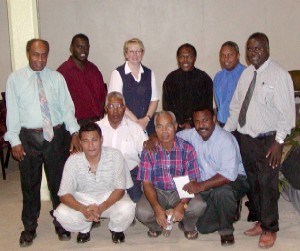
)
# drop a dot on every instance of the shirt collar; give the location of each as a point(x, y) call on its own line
point(262, 67)
point(127, 69)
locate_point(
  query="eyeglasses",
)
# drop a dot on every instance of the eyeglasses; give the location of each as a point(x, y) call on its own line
point(135, 52)
point(115, 106)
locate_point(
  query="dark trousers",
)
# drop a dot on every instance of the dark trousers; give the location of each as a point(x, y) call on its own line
point(262, 178)
point(221, 206)
point(39, 152)
point(168, 200)
point(135, 192)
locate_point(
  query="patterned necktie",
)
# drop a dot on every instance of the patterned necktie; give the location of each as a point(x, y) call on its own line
point(245, 105)
point(47, 125)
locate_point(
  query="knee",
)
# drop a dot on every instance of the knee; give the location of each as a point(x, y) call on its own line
point(144, 214)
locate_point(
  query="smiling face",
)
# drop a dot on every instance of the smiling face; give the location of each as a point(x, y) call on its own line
point(134, 54)
point(38, 55)
point(91, 143)
point(186, 59)
point(257, 51)
point(80, 49)
point(205, 123)
point(229, 57)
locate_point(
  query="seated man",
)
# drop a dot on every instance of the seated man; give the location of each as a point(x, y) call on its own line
point(93, 186)
point(174, 157)
point(223, 180)
point(121, 133)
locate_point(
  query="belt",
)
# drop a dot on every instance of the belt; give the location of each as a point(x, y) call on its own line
point(266, 134)
point(40, 129)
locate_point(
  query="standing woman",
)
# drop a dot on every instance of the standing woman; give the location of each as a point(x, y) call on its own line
point(137, 84)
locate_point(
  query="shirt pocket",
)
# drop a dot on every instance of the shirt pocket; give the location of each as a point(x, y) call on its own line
point(265, 95)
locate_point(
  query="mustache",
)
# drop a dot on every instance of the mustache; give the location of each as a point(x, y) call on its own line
point(202, 128)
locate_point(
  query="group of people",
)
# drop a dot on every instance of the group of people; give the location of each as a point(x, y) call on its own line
point(113, 156)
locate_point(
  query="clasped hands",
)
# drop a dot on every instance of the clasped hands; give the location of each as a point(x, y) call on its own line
point(161, 215)
point(93, 212)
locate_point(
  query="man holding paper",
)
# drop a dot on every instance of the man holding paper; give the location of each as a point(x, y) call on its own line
point(174, 157)
point(223, 180)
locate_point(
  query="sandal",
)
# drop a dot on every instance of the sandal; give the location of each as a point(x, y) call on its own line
point(154, 234)
point(190, 235)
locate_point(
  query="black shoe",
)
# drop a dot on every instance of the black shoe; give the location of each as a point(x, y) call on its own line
point(63, 235)
point(117, 237)
point(27, 238)
point(83, 237)
point(227, 240)
point(237, 215)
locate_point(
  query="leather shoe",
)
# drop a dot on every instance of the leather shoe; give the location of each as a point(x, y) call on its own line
point(254, 231)
point(63, 235)
point(83, 237)
point(267, 239)
point(117, 237)
point(27, 238)
point(227, 240)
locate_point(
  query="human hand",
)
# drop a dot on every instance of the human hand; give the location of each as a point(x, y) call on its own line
point(18, 152)
point(90, 212)
point(178, 212)
point(161, 217)
point(274, 154)
point(75, 146)
point(151, 143)
point(193, 187)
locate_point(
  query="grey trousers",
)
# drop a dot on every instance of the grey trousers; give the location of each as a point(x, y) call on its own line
point(221, 207)
point(168, 200)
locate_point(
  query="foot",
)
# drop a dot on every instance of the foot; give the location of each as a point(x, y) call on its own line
point(117, 237)
point(267, 239)
point(63, 235)
point(254, 231)
point(83, 237)
point(27, 238)
point(227, 240)
point(190, 235)
point(154, 234)
point(237, 215)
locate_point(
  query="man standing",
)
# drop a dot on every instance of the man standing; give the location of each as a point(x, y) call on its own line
point(187, 88)
point(93, 186)
point(39, 109)
point(122, 133)
point(174, 157)
point(222, 181)
point(84, 80)
point(263, 111)
point(226, 80)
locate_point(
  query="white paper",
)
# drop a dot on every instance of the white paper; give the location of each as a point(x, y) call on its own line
point(180, 182)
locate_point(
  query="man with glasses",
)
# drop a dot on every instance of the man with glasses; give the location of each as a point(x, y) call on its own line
point(122, 133)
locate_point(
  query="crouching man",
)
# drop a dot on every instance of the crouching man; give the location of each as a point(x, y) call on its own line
point(173, 157)
point(93, 186)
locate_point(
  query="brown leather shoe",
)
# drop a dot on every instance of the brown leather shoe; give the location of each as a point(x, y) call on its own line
point(254, 231)
point(267, 239)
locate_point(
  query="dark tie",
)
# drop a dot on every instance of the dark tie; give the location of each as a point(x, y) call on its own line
point(245, 105)
point(47, 125)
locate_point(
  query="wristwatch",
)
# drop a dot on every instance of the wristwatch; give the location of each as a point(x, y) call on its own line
point(185, 205)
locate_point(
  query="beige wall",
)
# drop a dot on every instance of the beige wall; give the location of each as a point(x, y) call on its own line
point(5, 62)
point(165, 24)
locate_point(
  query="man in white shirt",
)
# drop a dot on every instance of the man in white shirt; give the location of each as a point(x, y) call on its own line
point(263, 112)
point(121, 133)
point(93, 186)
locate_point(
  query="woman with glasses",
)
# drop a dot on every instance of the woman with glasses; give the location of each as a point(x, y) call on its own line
point(137, 84)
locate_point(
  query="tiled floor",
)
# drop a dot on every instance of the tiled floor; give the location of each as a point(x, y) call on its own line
point(136, 238)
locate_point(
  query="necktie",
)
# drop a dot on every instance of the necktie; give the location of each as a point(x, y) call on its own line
point(245, 105)
point(46, 117)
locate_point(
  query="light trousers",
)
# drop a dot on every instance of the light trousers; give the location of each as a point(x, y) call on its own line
point(120, 214)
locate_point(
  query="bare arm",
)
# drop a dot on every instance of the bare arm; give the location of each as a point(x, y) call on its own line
point(143, 122)
point(116, 195)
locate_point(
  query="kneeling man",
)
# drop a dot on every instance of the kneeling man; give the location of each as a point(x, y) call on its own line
point(93, 186)
point(174, 157)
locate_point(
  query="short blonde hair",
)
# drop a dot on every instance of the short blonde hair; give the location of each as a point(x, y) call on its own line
point(133, 41)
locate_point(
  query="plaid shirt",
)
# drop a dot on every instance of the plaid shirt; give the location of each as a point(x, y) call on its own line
point(160, 167)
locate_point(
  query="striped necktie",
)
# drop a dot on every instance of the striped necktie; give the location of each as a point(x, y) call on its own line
point(245, 105)
point(46, 116)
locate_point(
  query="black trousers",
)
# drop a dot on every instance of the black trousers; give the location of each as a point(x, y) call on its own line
point(221, 206)
point(262, 178)
point(39, 152)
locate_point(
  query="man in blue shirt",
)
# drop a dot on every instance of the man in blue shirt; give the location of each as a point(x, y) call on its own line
point(223, 180)
point(226, 80)
point(39, 110)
